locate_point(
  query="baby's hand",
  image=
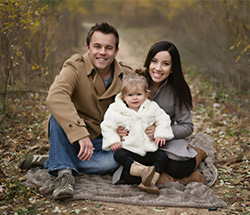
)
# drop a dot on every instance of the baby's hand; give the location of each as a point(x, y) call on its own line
point(116, 146)
point(160, 141)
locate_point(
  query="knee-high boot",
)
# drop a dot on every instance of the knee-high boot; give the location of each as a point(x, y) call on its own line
point(201, 155)
point(196, 175)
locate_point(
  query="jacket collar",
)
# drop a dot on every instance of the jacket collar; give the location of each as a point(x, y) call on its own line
point(159, 89)
point(89, 67)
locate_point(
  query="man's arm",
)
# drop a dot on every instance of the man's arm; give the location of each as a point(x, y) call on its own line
point(60, 103)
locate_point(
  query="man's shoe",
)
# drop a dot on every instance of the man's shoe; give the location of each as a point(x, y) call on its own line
point(64, 184)
point(33, 161)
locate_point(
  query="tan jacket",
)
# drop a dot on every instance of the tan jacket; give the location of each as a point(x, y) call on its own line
point(78, 98)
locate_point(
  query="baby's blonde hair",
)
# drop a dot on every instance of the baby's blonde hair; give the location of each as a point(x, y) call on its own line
point(133, 81)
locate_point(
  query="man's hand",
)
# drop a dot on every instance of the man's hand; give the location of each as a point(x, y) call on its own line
point(150, 132)
point(122, 132)
point(160, 141)
point(116, 146)
point(86, 149)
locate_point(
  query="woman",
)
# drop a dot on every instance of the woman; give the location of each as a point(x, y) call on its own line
point(170, 90)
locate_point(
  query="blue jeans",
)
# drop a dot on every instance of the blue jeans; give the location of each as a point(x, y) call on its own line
point(63, 155)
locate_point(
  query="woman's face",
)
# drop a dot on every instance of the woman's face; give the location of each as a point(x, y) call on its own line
point(160, 67)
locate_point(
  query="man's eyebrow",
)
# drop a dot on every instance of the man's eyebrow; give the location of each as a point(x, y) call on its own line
point(110, 46)
point(105, 45)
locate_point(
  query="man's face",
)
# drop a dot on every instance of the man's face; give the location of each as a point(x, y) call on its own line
point(102, 50)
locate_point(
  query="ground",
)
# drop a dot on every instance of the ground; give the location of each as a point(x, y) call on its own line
point(226, 120)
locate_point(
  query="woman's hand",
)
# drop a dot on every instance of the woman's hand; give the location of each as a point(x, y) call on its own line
point(150, 132)
point(122, 132)
point(160, 141)
point(116, 146)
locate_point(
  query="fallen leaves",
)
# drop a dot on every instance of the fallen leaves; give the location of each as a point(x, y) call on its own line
point(226, 119)
point(22, 134)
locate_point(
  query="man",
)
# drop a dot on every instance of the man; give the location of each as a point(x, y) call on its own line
point(78, 99)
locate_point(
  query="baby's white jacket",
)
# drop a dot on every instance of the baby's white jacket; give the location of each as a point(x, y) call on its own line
point(118, 114)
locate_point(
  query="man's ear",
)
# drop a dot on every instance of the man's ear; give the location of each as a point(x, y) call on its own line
point(116, 51)
point(86, 46)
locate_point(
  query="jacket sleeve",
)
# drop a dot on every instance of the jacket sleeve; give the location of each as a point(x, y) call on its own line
point(183, 126)
point(60, 103)
point(163, 124)
point(108, 129)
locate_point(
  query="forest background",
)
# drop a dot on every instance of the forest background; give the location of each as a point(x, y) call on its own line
point(37, 36)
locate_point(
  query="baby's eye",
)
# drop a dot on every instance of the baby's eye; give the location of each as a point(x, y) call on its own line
point(139, 94)
point(130, 94)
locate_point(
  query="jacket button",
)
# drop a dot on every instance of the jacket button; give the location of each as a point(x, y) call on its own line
point(70, 125)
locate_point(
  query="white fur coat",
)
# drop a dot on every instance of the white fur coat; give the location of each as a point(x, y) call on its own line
point(118, 114)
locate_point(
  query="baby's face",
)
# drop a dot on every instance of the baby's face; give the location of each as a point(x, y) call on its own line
point(135, 97)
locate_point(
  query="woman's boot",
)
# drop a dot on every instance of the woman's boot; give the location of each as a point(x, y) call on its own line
point(164, 177)
point(201, 155)
point(196, 176)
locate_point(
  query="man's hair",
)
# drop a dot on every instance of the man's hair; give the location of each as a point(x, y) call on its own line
point(104, 28)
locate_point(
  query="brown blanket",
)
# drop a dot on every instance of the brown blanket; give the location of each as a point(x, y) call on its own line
point(100, 188)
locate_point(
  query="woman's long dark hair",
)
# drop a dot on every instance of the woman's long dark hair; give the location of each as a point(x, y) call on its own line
point(182, 92)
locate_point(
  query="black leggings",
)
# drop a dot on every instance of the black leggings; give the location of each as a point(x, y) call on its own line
point(124, 157)
point(180, 169)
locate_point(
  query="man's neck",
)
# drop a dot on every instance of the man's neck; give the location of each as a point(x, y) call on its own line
point(106, 73)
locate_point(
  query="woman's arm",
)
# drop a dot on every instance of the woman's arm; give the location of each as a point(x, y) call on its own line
point(183, 126)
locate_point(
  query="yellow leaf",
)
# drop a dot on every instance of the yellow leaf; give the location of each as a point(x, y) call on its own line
point(232, 47)
point(245, 49)
point(237, 59)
